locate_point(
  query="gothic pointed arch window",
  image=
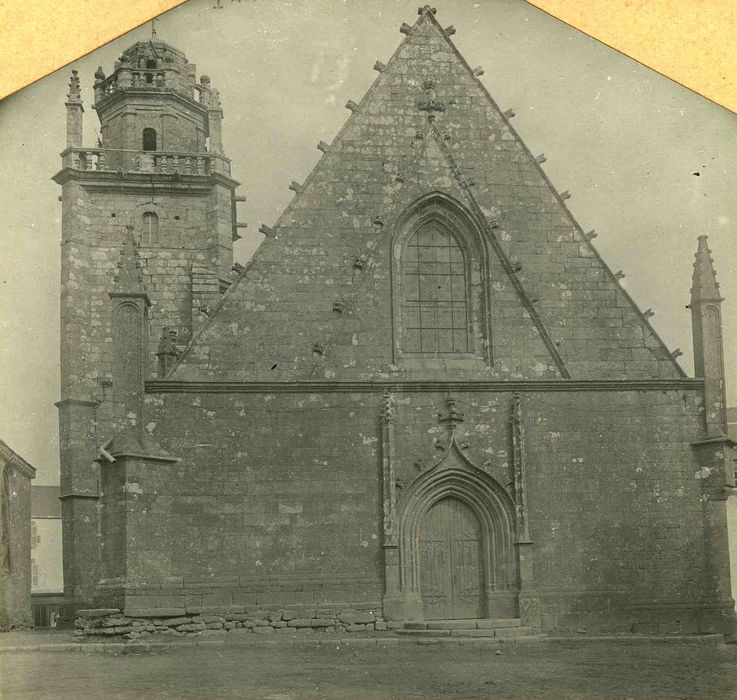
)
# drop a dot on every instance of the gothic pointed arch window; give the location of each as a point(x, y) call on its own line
point(439, 301)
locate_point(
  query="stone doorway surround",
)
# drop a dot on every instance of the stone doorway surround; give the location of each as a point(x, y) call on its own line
point(505, 562)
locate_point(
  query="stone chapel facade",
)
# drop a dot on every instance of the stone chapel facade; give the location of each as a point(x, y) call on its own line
point(426, 396)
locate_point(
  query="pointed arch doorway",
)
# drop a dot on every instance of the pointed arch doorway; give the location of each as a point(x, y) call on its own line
point(455, 546)
point(451, 550)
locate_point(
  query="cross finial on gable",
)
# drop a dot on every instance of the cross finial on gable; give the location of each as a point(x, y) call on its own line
point(431, 103)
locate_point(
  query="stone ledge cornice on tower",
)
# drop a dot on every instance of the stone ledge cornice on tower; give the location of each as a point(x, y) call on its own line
point(140, 183)
point(148, 93)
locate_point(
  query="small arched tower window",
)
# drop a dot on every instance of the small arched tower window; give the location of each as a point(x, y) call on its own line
point(150, 65)
point(434, 299)
point(149, 139)
point(150, 233)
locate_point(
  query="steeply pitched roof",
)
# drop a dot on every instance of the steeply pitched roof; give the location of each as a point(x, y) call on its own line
point(12, 457)
point(427, 125)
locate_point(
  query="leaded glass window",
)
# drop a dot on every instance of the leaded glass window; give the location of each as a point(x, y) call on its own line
point(434, 304)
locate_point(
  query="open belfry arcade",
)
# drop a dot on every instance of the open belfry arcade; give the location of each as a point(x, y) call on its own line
point(425, 398)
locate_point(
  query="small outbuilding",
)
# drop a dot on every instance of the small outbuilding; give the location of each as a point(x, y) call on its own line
point(15, 539)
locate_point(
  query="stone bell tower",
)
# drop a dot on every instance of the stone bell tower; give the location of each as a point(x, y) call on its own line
point(157, 184)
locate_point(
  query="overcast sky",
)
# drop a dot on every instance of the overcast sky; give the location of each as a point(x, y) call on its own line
point(650, 164)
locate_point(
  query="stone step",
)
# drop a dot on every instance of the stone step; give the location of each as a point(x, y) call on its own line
point(424, 633)
point(466, 624)
point(501, 633)
point(472, 633)
point(451, 624)
point(512, 632)
point(499, 622)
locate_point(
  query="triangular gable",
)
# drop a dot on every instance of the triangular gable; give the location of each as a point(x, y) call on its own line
point(273, 323)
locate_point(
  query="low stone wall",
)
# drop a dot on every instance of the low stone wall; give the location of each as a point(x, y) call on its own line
point(112, 622)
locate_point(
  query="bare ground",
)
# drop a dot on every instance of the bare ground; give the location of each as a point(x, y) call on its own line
point(538, 671)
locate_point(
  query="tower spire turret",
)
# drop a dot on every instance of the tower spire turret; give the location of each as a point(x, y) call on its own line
point(75, 110)
point(708, 347)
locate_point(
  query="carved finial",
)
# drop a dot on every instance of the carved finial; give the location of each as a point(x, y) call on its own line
point(517, 409)
point(75, 94)
point(99, 75)
point(591, 235)
point(295, 186)
point(387, 407)
point(509, 113)
point(619, 275)
point(351, 105)
point(449, 31)
point(478, 71)
point(379, 66)
point(405, 28)
point(128, 279)
point(424, 9)
point(648, 313)
point(704, 285)
point(266, 230)
point(453, 417)
point(540, 159)
point(565, 195)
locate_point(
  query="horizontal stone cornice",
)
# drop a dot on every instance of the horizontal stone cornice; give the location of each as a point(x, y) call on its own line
point(140, 182)
point(65, 403)
point(148, 94)
point(372, 386)
point(83, 496)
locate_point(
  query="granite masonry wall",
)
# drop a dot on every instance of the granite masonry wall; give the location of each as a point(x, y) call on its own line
point(277, 502)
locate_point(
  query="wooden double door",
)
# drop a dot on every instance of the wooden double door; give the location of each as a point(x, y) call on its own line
point(451, 562)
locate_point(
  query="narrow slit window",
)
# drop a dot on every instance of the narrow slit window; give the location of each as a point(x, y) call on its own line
point(150, 235)
point(434, 303)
